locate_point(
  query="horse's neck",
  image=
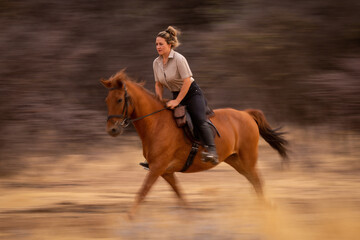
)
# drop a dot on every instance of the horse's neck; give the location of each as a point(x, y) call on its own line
point(145, 104)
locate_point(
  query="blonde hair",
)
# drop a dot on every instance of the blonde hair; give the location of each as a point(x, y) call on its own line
point(170, 36)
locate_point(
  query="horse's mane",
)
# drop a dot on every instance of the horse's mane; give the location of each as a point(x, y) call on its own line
point(123, 77)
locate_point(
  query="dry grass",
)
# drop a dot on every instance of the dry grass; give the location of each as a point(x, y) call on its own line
point(86, 197)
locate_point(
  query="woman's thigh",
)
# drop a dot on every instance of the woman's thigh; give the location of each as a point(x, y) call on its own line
point(196, 107)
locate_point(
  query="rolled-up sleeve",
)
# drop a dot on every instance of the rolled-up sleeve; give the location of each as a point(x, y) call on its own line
point(183, 67)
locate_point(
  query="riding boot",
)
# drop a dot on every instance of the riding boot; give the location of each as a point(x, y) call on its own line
point(208, 138)
point(145, 165)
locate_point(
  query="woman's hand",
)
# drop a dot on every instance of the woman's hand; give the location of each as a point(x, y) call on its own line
point(172, 104)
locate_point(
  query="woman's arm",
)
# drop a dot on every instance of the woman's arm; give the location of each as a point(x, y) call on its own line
point(159, 90)
point(183, 91)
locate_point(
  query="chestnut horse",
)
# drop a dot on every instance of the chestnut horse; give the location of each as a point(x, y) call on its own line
point(165, 146)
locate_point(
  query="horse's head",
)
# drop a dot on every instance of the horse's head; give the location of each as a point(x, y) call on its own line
point(118, 103)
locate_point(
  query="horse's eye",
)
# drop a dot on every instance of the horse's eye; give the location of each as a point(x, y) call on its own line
point(119, 101)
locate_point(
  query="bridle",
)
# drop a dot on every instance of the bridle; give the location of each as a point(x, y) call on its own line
point(124, 115)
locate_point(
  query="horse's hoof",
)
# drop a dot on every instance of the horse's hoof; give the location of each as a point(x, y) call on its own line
point(184, 204)
point(130, 216)
point(269, 205)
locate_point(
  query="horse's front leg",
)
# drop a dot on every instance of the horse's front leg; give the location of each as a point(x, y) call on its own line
point(171, 179)
point(149, 181)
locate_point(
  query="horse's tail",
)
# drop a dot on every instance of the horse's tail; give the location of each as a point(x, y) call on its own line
point(271, 136)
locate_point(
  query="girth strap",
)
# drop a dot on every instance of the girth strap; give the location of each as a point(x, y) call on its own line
point(190, 159)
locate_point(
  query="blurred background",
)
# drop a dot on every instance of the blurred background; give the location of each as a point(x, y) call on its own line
point(297, 61)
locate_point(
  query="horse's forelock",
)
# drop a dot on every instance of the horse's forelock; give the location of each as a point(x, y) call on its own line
point(118, 79)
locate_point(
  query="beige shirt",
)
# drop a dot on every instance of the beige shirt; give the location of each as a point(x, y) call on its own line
point(172, 74)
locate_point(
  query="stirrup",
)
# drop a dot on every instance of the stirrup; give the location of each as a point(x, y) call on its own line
point(145, 165)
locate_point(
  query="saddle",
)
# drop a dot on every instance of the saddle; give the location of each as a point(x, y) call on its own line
point(183, 120)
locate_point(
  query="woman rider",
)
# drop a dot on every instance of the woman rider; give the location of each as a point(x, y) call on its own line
point(171, 70)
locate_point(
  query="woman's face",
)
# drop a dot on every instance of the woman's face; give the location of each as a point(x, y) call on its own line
point(162, 46)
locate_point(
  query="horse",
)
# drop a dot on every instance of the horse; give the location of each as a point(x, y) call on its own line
point(166, 148)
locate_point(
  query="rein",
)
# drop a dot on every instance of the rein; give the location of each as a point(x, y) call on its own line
point(126, 119)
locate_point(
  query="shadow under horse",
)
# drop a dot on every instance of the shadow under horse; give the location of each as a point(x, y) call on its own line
point(166, 148)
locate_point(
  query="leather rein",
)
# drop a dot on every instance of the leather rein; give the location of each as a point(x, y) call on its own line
point(124, 115)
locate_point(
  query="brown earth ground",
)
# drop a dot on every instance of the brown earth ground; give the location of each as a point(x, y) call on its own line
point(87, 196)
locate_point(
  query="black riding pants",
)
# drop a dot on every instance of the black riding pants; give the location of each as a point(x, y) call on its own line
point(195, 104)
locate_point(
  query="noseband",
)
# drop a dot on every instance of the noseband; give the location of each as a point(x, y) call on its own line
point(124, 115)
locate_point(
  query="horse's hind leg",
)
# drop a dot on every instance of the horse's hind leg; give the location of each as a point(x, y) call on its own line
point(249, 171)
point(171, 179)
point(253, 177)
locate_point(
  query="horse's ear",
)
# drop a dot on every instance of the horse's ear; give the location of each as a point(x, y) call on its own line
point(119, 83)
point(106, 83)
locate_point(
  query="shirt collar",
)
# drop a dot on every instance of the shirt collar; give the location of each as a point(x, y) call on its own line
point(172, 53)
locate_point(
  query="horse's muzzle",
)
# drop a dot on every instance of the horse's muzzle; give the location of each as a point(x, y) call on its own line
point(114, 130)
